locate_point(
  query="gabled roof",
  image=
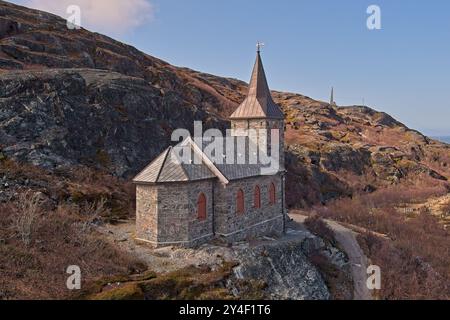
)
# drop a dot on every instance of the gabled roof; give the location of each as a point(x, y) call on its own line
point(259, 103)
point(165, 169)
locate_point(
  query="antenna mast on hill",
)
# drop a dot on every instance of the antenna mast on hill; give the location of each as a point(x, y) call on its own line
point(332, 103)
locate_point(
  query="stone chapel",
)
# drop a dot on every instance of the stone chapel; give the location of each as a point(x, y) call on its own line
point(187, 204)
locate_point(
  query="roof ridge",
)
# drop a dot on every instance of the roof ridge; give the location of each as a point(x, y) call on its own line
point(184, 170)
point(209, 163)
point(163, 163)
point(149, 165)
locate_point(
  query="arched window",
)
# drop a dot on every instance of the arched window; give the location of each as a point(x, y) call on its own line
point(240, 205)
point(272, 194)
point(257, 198)
point(201, 207)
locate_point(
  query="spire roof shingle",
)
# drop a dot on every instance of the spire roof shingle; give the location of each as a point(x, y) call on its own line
point(259, 103)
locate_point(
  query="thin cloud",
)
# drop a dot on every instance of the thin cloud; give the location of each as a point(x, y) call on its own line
point(107, 16)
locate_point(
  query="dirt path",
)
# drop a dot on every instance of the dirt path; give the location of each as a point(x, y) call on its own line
point(348, 242)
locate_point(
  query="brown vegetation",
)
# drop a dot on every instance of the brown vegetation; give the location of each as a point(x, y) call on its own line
point(24, 218)
point(190, 283)
point(446, 209)
point(49, 224)
point(338, 281)
point(318, 227)
point(60, 238)
point(414, 256)
point(77, 185)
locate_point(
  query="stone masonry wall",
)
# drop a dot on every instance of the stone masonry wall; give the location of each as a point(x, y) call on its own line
point(173, 209)
point(267, 220)
point(241, 127)
point(146, 213)
point(200, 231)
point(167, 213)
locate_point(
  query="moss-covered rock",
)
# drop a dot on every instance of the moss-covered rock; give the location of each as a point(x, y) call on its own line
point(129, 291)
point(190, 283)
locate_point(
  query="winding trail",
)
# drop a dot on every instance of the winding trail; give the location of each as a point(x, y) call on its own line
point(347, 241)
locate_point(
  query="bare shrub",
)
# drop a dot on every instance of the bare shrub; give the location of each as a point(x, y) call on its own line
point(91, 187)
point(37, 271)
point(404, 274)
point(60, 231)
point(24, 218)
point(439, 160)
point(317, 226)
point(446, 209)
point(90, 213)
point(338, 280)
point(415, 259)
point(405, 194)
point(94, 210)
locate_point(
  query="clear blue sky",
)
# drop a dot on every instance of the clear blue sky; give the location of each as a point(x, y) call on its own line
point(403, 69)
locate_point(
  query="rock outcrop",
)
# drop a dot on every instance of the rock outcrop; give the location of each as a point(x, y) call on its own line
point(283, 268)
point(297, 266)
point(70, 97)
point(60, 117)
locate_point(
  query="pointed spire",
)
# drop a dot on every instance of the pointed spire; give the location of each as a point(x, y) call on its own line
point(258, 84)
point(259, 103)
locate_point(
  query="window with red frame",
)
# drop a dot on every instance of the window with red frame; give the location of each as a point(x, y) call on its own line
point(201, 207)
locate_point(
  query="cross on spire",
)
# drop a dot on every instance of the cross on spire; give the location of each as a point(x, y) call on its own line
point(259, 103)
point(259, 46)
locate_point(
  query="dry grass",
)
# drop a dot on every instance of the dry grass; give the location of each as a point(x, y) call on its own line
point(87, 187)
point(415, 260)
point(338, 281)
point(318, 227)
point(25, 217)
point(79, 185)
point(50, 224)
point(190, 283)
point(439, 160)
point(405, 274)
point(446, 208)
point(60, 239)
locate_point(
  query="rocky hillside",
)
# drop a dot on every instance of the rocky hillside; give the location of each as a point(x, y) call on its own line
point(300, 266)
point(75, 97)
point(81, 113)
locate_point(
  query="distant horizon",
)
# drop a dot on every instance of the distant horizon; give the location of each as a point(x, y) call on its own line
point(445, 139)
point(311, 46)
